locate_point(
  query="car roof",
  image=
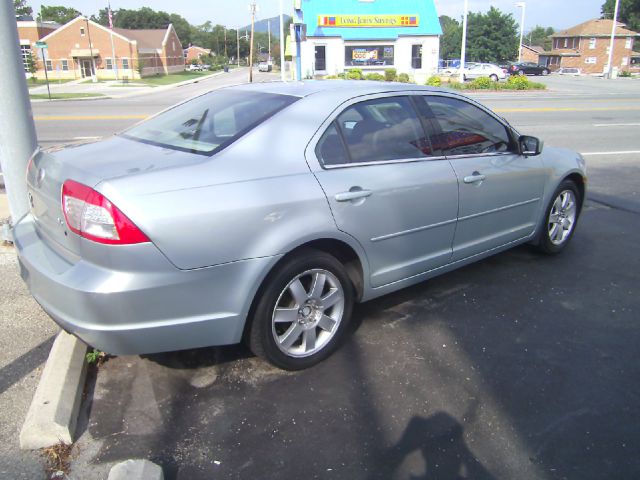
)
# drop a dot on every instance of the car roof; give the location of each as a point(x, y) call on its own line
point(351, 88)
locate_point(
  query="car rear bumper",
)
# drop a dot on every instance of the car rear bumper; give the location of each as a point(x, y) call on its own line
point(150, 307)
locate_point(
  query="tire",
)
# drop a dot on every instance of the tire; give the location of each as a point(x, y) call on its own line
point(312, 296)
point(545, 72)
point(493, 77)
point(521, 73)
point(560, 219)
point(464, 78)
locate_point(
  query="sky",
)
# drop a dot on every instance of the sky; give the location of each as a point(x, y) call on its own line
point(232, 13)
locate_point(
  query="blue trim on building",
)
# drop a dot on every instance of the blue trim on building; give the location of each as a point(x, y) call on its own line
point(424, 9)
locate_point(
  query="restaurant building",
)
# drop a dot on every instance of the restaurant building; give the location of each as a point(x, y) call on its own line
point(371, 35)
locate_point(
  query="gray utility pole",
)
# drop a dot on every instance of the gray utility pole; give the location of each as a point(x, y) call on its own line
point(253, 18)
point(612, 42)
point(17, 132)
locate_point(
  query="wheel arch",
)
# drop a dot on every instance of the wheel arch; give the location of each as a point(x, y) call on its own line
point(351, 256)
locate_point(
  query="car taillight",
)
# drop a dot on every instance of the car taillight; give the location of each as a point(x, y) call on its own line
point(91, 215)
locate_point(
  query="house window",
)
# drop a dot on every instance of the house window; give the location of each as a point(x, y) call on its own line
point(592, 43)
point(629, 43)
point(65, 65)
point(368, 56)
point(625, 61)
point(82, 31)
point(591, 60)
point(49, 64)
point(566, 43)
point(25, 50)
point(125, 64)
point(108, 64)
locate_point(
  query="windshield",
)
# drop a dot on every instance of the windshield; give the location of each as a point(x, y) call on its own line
point(207, 124)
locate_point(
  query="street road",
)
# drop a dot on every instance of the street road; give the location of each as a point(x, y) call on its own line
point(599, 118)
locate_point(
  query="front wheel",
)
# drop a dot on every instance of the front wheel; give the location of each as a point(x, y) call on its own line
point(545, 72)
point(303, 312)
point(521, 73)
point(494, 77)
point(561, 218)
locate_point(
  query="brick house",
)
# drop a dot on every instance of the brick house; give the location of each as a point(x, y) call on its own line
point(194, 53)
point(586, 46)
point(82, 47)
point(531, 53)
point(29, 32)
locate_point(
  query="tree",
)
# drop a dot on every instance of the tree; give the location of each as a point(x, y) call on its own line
point(540, 36)
point(451, 39)
point(58, 14)
point(492, 37)
point(22, 8)
point(629, 13)
point(32, 64)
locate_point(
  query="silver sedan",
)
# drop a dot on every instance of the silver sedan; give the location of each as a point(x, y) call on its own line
point(264, 212)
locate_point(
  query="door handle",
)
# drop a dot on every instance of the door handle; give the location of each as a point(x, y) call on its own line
point(352, 195)
point(476, 177)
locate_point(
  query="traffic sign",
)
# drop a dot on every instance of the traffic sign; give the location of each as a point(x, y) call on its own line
point(41, 45)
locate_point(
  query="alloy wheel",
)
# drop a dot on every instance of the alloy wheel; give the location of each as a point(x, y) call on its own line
point(308, 313)
point(562, 217)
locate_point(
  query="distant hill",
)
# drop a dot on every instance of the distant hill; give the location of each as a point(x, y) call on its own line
point(262, 25)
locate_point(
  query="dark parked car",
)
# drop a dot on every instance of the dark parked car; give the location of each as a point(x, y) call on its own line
point(528, 68)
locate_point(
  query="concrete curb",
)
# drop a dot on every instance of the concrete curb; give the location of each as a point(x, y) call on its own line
point(53, 413)
point(136, 470)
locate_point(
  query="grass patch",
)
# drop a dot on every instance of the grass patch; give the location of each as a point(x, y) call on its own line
point(172, 78)
point(31, 83)
point(60, 96)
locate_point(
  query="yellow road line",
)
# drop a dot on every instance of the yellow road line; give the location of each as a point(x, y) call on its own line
point(563, 109)
point(87, 117)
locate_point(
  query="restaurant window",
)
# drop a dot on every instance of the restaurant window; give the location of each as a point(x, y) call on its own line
point(65, 65)
point(628, 43)
point(108, 64)
point(82, 31)
point(368, 55)
point(416, 57)
point(592, 43)
point(125, 64)
point(49, 65)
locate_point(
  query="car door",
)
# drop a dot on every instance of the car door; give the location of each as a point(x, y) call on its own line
point(500, 191)
point(385, 186)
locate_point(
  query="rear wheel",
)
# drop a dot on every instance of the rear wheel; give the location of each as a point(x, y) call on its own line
point(545, 72)
point(303, 312)
point(561, 218)
point(521, 73)
point(494, 77)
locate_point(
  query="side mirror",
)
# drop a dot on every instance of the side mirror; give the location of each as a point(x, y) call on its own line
point(530, 146)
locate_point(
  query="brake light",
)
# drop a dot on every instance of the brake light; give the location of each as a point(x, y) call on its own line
point(91, 215)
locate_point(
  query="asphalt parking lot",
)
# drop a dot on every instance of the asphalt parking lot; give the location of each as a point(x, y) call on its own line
point(520, 366)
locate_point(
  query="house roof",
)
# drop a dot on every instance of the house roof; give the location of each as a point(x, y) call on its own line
point(534, 48)
point(196, 47)
point(146, 38)
point(595, 28)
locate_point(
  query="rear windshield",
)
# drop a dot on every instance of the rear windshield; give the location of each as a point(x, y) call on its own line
point(207, 124)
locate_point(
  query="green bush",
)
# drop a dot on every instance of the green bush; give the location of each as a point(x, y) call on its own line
point(434, 81)
point(403, 78)
point(354, 74)
point(390, 74)
point(342, 76)
point(482, 83)
point(625, 74)
point(374, 76)
point(332, 77)
point(518, 82)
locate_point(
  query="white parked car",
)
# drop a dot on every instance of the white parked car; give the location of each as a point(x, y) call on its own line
point(489, 70)
point(194, 68)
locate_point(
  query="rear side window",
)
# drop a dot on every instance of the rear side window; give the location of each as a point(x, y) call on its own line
point(207, 124)
point(466, 129)
point(330, 149)
point(383, 129)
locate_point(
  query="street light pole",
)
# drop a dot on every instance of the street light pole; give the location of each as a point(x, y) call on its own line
point(522, 5)
point(238, 44)
point(282, 72)
point(612, 41)
point(463, 48)
point(17, 132)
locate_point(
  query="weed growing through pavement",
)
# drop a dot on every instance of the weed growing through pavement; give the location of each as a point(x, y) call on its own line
point(57, 460)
